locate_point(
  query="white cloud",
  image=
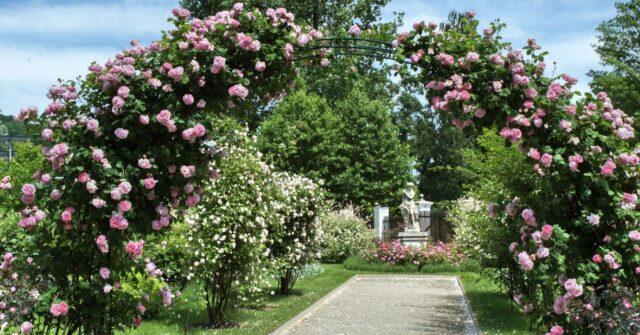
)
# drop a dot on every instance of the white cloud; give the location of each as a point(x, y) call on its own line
point(28, 71)
point(114, 19)
point(42, 42)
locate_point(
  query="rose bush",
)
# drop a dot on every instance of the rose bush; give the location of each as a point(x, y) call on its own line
point(134, 138)
point(229, 231)
point(577, 244)
point(296, 239)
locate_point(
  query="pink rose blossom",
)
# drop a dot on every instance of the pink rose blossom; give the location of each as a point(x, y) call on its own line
point(150, 183)
point(102, 243)
point(117, 221)
point(238, 91)
point(525, 261)
point(218, 64)
point(134, 249)
point(59, 309)
point(188, 99)
point(121, 133)
point(123, 91)
point(105, 273)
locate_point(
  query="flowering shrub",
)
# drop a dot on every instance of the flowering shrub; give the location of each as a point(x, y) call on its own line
point(345, 234)
point(229, 230)
point(395, 253)
point(578, 226)
point(296, 240)
point(133, 138)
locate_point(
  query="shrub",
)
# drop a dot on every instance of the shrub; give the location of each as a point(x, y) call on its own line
point(296, 240)
point(345, 234)
point(228, 232)
point(134, 138)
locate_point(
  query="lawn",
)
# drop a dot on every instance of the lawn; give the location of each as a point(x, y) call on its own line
point(492, 309)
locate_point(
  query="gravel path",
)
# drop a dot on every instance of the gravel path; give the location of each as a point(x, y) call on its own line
point(379, 304)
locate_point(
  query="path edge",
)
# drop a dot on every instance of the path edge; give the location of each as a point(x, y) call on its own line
point(282, 330)
point(468, 309)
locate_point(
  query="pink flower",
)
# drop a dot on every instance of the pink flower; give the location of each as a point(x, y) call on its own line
point(629, 200)
point(534, 153)
point(445, 59)
point(525, 261)
point(176, 73)
point(530, 92)
point(143, 119)
point(47, 134)
point(546, 159)
point(140, 307)
point(546, 232)
point(123, 91)
point(260, 66)
point(163, 117)
point(124, 187)
point(607, 168)
point(188, 99)
point(124, 206)
point(26, 327)
point(597, 258)
point(218, 64)
point(288, 51)
point(98, 203)
point(593, 219)
point(355, 30)
point(150, 183)
point(121, 133)
point(238, 91)
point(29, 190)
point(105, 273)
point(144, 163)
point(556, 330)
point(181, 13)
point(102, 243)
point(529, 217)
point(134, 249)
point(634, 235)
point(59, 309)
point(117, 221)
point(188, 171)
point(573, 288)
point(66, 215)
point(542, 252)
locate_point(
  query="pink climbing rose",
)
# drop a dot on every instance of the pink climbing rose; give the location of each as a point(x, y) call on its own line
point(102, 243)
point(238, 91)
point(59, 309)
point(134, 249)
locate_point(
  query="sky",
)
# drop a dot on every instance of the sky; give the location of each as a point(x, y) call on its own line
point(42, 41)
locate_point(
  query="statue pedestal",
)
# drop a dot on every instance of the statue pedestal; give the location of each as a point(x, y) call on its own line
point(414, 238)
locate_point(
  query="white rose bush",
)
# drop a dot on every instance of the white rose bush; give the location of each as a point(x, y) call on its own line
point(296, 239)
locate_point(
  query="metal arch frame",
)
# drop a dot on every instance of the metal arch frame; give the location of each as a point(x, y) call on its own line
point(365, 47)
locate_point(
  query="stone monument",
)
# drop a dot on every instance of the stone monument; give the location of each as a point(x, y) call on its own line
point(411, 236)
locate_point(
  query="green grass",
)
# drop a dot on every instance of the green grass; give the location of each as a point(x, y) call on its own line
point(278, 310)
point(492, 309)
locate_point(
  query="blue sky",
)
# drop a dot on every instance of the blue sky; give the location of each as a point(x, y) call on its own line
point(42, 41)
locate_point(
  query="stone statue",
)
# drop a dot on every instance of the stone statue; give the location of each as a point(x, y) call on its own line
point(409, 209)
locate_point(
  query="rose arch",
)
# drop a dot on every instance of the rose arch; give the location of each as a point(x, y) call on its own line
point(132, 141)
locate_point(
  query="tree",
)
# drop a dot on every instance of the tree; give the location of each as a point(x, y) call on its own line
point(353, 147)
point(619, 49)
point(317, 13)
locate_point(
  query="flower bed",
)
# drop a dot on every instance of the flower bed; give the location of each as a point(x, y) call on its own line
point(395, 253)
